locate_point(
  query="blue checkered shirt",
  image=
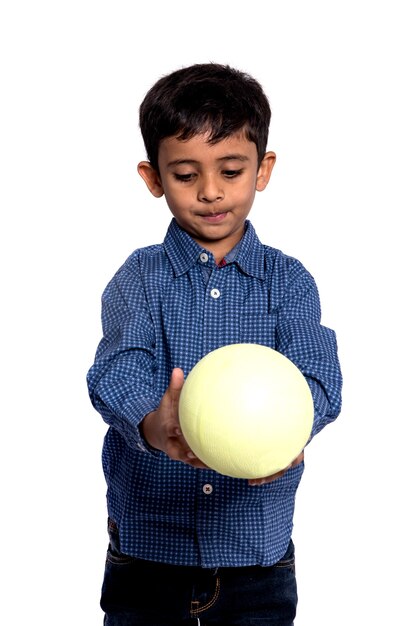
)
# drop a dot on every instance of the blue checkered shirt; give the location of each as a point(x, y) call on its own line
point(166, 307)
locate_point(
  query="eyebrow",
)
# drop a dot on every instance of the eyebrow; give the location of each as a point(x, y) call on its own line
point(227, 157)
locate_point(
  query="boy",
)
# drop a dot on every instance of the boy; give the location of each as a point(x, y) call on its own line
point(188, 545)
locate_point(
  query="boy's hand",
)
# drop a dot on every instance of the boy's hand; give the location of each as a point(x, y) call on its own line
point(161, 428)
point(269, 479)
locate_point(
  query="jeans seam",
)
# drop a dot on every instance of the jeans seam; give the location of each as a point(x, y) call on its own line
point(287, 563)
point(120, 561)
point(194, 612)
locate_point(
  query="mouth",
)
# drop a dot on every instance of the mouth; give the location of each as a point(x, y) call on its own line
point(214, 218)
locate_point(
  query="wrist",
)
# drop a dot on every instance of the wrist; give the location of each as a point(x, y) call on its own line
point(147, 430)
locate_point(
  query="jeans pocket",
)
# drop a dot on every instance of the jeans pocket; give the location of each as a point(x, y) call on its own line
point(114, 554)
point(288, 559)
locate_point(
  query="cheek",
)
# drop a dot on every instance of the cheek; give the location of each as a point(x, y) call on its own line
point(178, 202)
point(246, 197)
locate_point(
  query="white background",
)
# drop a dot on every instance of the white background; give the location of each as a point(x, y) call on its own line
point(342, 81)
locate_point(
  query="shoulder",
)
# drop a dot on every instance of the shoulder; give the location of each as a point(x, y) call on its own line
point(147, 259)
point(288, 279)
point(147, 254)
point(280, 269)
point(275, 260)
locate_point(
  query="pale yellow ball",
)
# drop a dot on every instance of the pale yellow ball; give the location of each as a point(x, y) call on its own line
point(246, 411)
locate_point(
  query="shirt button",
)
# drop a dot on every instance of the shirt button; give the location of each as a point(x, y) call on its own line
point(207, 489)
point(215, 293)
point(204, 257)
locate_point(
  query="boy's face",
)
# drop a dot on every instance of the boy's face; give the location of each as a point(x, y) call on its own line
point(209, 188)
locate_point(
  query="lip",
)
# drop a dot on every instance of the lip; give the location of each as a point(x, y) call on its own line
point(214, 218)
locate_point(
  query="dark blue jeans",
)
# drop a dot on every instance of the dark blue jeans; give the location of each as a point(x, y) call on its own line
point(143, 593)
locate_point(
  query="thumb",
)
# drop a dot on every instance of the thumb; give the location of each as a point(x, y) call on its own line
point(176, 383)
point(173, 393)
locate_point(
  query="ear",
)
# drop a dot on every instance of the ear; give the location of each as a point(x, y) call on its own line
point(151, 178)
point(264, 171)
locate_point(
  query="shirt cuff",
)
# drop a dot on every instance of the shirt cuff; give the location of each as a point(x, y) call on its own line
point(135, 415)
point(321, 406)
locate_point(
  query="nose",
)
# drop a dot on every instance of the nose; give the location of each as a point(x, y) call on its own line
point(210, 189)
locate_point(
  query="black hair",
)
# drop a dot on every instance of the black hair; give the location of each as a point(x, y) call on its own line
point(206, 97)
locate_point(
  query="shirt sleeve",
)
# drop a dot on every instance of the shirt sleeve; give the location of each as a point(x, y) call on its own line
point(120, 382)
point(311, 346)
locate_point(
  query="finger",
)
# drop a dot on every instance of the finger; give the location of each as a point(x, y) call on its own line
point(176, 381)
point(177, 451)
point(169, 403)
point(172, 393)
point(298, 459)
point(269, 479)
point(197, 463)
point(174, 390)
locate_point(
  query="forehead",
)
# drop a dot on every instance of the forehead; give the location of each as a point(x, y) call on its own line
point(198, 148)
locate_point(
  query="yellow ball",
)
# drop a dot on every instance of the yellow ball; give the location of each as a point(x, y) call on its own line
point(246, 411)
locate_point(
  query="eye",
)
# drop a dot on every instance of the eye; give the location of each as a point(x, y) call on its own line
point(232, 173)
point(184, 178)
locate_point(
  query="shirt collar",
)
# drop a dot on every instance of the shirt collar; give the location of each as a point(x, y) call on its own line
point(184, 252)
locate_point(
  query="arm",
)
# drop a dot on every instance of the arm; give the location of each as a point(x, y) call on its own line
point(121, 380)
point(313, 349)
point(311, 346)
point(161, 428)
